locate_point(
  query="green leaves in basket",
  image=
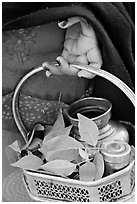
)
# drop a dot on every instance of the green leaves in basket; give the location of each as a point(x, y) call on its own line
point(52, 134)
point(88, 130)
point(30, 162)
point(96, 167)
point(64, 154)
point(59, 124)
point(61, 142)
point(57, 144)
point(83, 154)
point(87, 171)
point(99, 163)
point(59, 167)
point(57, 129)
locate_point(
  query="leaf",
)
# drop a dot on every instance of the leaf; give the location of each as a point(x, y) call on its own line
point(59, 123)
point(51, 173)
point(16, 146)
point(35, 144)
point(99, 163)
point(57, 129)
point(48, 129)
point(87, 171)
point(66, 154)
point(88, 130)
point(30, 162)
point(60, 143)
point(92, 151)
point(83, 154)
point(61, 167)
point(51, 135)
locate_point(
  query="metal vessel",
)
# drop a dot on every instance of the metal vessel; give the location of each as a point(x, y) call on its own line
point(116, 156)
point(99, 110)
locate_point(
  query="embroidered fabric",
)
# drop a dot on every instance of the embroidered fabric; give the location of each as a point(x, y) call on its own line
point(34, 110)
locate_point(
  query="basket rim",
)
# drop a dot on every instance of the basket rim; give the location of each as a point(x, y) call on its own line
point(78, 182)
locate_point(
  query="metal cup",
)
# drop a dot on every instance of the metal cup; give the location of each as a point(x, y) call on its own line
point(116, 156)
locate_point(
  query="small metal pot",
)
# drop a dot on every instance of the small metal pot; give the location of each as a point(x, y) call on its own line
point(116, 156)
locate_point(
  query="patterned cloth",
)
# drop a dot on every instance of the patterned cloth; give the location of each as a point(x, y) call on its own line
point(33, 110)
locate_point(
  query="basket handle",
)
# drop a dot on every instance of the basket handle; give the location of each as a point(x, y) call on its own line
point(110, 77)
point(15, 99)
point(102, 73)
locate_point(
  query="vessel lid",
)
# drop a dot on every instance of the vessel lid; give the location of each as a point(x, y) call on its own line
point(116, 151)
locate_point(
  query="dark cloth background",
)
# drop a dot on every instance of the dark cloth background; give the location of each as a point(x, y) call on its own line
point(19, 9)
point(114, 27)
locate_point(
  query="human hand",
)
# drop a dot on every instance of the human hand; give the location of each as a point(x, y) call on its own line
point(80, 46)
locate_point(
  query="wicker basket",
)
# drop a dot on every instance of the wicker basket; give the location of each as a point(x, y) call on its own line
point(118, 186)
